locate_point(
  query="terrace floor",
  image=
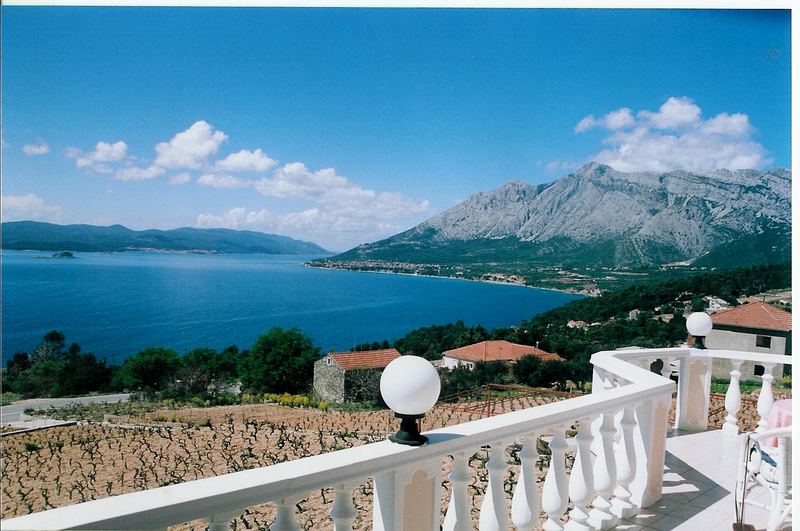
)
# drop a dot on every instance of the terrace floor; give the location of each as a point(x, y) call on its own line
point(699, 481)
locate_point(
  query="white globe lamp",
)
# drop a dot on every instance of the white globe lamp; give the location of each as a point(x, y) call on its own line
point(410, 386)
point(699, 325)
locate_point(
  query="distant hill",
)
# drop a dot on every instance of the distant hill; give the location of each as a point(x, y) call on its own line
point(600, 217)
point(51, 237)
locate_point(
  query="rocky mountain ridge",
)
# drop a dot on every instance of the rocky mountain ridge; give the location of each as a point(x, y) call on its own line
point(598, 216)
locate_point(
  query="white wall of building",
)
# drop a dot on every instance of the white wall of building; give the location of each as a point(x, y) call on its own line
point(729, 340)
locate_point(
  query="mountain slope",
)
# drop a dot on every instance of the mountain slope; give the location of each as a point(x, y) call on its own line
point(48, 236)
point(598, 216)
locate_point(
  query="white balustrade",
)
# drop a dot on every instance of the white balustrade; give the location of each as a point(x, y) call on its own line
point(765, 398)
point(581, 479)
point(494, 513)
point(222, 522)
point(605, 475)
point(285, 519)
point(555, 492)
point(407, 480)
point(525, 502)
point(666, 367)
point(733, 400)
point(343, 512)
point(458, 516)
point(626, 465)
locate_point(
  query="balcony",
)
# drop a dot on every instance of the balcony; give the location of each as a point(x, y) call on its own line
point(614, 461)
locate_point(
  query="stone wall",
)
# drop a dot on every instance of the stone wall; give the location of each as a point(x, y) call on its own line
point(328, 380)
point(731, 340)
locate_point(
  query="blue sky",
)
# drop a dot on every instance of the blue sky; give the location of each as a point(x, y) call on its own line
point(343, 126)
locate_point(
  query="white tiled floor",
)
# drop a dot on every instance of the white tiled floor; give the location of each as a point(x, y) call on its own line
point(699, 480)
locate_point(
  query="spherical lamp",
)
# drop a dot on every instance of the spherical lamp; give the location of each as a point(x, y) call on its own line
point(410, 386)
point(699, 325)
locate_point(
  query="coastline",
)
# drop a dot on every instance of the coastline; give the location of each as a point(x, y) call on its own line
point(449, 277)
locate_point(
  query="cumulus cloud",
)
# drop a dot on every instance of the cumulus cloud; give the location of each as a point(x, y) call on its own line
point(30, 206)
point(36, 149)
point(102, 152)
point(221, 181)
point(134, 173)
point(190, 149)
point(181, 178)
point(613, 120)
point(676, 137)
point(255, 161)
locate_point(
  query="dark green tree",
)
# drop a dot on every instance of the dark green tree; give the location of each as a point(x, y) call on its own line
point(279, 361)
point(150, 370)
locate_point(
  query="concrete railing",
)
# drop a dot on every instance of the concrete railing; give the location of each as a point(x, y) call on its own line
point(618, 468)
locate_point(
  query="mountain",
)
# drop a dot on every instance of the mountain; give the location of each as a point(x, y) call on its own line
point(600, 217)
point(51, 237)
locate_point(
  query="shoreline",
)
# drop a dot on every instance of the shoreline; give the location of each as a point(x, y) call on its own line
point(448, 277)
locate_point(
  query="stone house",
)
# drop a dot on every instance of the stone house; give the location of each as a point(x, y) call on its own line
point(340, 376)
point(499, 350)
point(753, 327)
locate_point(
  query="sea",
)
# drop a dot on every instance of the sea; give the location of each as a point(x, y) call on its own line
point(116, 304)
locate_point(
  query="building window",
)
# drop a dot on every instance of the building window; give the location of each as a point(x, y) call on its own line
point(764, 341)
point(329, 361)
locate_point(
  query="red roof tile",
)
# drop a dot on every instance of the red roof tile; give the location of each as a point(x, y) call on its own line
point(755, 315)
point(367, 359)
point(498, 350)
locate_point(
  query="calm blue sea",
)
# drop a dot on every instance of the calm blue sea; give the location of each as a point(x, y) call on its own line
point(117, 304)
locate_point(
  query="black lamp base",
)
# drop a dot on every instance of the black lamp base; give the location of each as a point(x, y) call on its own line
point(408, 433)
point(699, 343)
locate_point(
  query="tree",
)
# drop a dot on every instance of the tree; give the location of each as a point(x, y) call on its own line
point(526, 370)
point(150, 370)
point(51, 347)
point(83, 373)
point(280, 361)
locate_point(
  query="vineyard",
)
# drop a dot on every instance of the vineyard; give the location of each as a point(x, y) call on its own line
point(63, 466)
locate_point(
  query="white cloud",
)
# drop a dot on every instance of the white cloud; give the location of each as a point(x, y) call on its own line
point(613, 120)
point(134, 173)
point(245, 160)
point(673, 114)
point(36, 149)
point(30, 206)
point(181, 178)
point(676, 137)
point(221, 181)
point(191, 148)
point(103, 152)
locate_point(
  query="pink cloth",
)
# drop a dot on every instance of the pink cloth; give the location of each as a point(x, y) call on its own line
point(779, 416)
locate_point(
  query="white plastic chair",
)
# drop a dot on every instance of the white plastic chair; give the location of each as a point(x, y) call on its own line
point(768, 467)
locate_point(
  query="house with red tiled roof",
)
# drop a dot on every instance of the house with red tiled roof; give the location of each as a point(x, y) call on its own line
point(752, 327)
point(355, 375)
point(498, 350)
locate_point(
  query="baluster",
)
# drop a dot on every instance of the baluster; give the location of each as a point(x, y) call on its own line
point(555, 495)
point(605, 475)
point(343, 511)
point(626, 465)
point(458, 517)
point(222, 521)
point(581, 479)
point(525, 502)
point(733, 400)
point(494, 512)
point(765, 398)
point(285, 519)
point(666, 368)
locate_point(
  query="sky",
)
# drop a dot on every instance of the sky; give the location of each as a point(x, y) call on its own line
point(345, 126)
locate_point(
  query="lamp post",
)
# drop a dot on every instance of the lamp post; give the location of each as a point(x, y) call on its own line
point(699, 325)
point(410, 386)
